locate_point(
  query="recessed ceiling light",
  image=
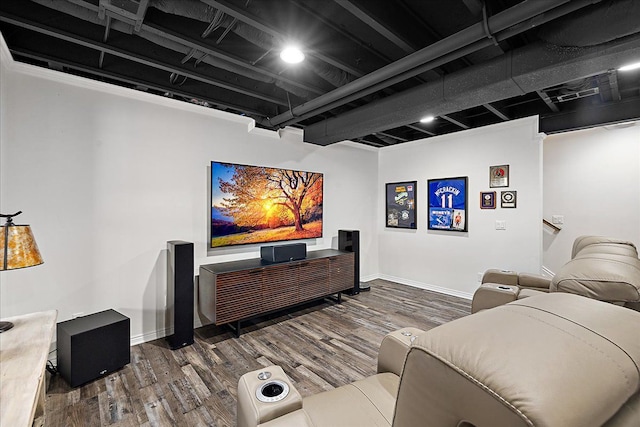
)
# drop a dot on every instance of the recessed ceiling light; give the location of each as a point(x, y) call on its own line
point(292, 55)
point(630, 67)
point(427, 119)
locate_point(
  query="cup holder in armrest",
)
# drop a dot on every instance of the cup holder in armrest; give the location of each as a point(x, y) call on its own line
point(272, 391)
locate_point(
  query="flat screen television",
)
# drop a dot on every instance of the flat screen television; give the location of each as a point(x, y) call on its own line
point(256, 204)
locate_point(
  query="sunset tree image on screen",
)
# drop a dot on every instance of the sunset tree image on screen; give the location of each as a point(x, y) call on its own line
point(261, 194)
point(252, 204)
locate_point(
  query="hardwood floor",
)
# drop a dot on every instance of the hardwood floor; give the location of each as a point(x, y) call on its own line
point(319, 346)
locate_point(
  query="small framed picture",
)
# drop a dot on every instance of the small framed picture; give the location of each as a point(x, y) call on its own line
point(508, 199)
point(487, 200)
point(499, 176)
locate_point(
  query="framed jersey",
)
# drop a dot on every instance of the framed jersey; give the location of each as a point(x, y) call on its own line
point(448, 205)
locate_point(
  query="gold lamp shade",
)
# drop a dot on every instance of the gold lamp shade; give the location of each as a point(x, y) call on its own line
point(18, 248)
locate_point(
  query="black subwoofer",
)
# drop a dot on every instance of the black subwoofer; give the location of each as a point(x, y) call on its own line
point(92, 346)
point(180, 292)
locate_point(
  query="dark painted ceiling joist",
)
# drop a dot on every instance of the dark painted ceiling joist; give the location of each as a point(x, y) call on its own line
point(372, 22)
point(454, 121)
point(496, 112)
point(419, 129)
point(543, 95)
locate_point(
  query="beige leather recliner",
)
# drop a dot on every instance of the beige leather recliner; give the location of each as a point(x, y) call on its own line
point(602, 268)
point(555, 360)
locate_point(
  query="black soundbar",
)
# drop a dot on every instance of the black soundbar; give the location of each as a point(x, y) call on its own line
point(282, 253)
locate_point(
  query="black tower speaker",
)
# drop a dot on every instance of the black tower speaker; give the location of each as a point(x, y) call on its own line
point(180, 292)
point(349, 241)
point(92, 346)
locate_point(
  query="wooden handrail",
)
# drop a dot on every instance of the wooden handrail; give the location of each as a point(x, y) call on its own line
point(550, 224)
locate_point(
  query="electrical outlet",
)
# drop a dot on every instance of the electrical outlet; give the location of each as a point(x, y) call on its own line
point(80, 314)
point(557, 219)
point(501, 224)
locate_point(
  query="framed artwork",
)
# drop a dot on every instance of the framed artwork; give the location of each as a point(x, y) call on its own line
point(487, 200)
point(499, 176)
point(401, 204)
point(448, 204)
point(508, 199)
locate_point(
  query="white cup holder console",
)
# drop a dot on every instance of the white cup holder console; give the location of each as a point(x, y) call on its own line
point(265, 394)
point(272, 391)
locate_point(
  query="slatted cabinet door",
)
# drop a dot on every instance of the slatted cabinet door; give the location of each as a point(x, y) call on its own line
point(280, 287)
point(237, 295)
point(314, 279)
point(341, 272)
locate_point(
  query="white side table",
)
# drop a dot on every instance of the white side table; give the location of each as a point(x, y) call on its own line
point(24, 350)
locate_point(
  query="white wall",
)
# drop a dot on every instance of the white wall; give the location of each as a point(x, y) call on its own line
point(106, 176)
point(592, 178)
point(451, 261)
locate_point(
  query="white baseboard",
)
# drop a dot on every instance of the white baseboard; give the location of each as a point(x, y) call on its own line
point(150, 336)
point(547, 273)
point(368, 278)
point(428, 287)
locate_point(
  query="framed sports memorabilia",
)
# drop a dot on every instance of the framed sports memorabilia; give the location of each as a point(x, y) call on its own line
point(508, 199)
point(448, 204)
point(499, 176)
point(487, 200)
point(401, 204)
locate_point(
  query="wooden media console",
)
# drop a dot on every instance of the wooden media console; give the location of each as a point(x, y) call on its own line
point(230, 292)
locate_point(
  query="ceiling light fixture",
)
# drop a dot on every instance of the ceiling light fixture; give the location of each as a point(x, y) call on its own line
point(292, 55)
point(427, 119)
point(630, 67)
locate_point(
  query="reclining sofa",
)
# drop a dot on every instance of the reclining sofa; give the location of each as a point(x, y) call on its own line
point(555, 360)
point(601, 268)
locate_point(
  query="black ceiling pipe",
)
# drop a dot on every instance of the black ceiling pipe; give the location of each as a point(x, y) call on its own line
point(498, 22)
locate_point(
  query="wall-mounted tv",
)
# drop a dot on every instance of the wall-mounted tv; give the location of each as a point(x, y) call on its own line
point(256, 204)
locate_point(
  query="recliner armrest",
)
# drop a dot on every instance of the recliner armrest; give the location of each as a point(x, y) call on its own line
point(501, 277)
point(394, 348)
point(490, 295)
point(534, 281)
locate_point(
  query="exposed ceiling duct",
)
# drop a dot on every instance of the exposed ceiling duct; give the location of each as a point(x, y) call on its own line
point(590, 27)
point(460, 40)
point(526, 70)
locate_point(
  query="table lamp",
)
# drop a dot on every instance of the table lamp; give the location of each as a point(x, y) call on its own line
point(18, 249)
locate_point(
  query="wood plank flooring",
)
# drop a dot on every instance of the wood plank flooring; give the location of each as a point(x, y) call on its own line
point(320, 346)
